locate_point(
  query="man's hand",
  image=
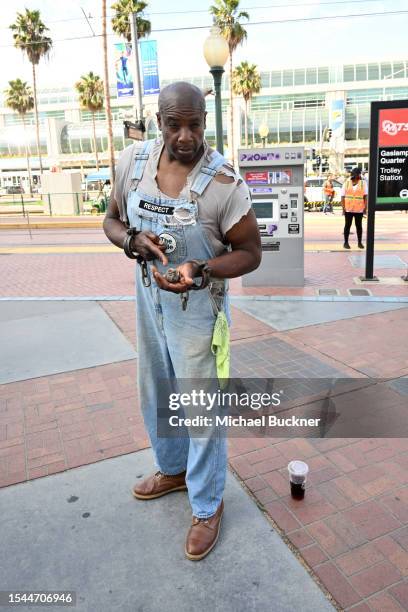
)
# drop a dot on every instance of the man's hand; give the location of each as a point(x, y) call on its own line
point(149, 246)
point(187, 273)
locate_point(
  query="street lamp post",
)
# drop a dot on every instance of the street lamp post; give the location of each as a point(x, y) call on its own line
point(263, 131)
point(216, 53)
point(137, 90)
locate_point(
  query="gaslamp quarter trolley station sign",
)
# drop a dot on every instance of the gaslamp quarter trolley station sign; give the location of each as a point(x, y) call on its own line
point(388, 173)
point(389, 122)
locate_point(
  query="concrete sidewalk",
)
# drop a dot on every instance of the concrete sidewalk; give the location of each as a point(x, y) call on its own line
point(82, 530)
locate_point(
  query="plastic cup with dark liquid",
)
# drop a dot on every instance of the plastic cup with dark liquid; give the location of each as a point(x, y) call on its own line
point(298, 471)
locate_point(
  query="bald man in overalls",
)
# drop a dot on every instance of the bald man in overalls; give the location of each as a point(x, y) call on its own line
point(177, 203)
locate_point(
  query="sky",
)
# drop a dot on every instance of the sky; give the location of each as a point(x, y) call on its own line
point(269, 45)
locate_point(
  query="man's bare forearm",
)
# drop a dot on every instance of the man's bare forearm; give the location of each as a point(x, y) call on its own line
point(234, 264)
point(115, 230)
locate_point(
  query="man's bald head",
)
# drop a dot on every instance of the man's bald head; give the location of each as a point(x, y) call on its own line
point(181, 119)
point(181, 94)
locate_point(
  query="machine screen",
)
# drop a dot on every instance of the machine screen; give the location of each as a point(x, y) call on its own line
point(263, 210)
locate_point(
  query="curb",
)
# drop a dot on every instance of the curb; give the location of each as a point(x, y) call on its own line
point(57, 224)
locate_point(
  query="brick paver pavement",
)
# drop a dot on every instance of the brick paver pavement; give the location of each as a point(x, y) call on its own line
point(111, 274)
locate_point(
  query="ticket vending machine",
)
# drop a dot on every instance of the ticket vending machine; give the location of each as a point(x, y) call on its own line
point(275, 179)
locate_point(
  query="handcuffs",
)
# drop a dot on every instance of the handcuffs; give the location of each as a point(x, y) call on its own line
point(172, 275)
point(131, 232)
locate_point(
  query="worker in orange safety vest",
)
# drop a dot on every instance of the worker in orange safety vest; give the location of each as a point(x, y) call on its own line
point(354, 202)
point(328, 192)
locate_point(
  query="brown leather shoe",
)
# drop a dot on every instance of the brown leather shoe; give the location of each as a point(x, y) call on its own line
point(159, 484)
point(203, 535)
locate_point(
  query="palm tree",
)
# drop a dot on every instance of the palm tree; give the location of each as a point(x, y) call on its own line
point(227, 18)
point(246, 81)
point(121, 26)
point(29, 36)
point(121, 19)
point(19, 97)
point(111, 150)
point(91, 92)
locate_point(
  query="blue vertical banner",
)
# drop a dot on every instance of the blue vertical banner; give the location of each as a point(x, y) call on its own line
point(336, 119)
point(123, 70)
point(150, 67)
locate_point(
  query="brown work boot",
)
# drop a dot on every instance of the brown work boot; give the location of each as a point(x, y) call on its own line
point(159, 484)
point(203, 535)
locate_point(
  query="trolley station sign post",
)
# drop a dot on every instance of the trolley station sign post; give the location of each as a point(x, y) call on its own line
point(388, 173)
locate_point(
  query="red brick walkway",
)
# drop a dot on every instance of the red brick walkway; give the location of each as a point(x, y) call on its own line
point(57, 422)
point(106, 274)
point(352, 526)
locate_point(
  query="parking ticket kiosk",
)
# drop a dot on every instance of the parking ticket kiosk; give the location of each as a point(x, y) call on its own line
point(275, 179)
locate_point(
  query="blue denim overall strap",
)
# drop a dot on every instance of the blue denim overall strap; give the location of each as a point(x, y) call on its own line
point(141, 159)
point(207, 173)
point(174, 344)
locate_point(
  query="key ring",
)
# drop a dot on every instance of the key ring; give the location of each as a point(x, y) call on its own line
point(145, 271)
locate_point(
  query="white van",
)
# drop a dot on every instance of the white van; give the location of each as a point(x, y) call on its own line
point(314, 191)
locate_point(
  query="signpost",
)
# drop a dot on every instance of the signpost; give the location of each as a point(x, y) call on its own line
point(388, 177)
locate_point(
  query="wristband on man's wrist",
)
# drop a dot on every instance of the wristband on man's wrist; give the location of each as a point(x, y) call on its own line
point(203, 270)
point(131, 232)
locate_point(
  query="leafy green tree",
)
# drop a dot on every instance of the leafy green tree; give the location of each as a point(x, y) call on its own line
point(19, 97)
point(246, 81)
point(121, 20)
point(227, 18)
point(91, 97)
point(29, 35)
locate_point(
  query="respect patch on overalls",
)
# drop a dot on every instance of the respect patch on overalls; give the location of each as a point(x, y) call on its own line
point(160, 209)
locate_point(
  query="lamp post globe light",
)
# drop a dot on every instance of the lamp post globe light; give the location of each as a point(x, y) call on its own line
point(216, 52)
point(263, 131)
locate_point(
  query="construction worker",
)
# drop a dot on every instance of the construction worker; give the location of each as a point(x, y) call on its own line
point(328, 192)
point(354, 203)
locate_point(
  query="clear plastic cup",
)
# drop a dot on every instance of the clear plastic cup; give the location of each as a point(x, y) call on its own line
point(298, 471)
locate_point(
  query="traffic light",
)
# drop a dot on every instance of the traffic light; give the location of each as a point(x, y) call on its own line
point(329, 133)
point(318, 160)
point(313, 153)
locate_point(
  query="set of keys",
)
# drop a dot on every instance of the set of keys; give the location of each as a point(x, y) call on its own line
point(173, 276)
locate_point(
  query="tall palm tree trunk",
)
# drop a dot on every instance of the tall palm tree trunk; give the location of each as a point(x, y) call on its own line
point(246, 121)
point(30, 183)
point(95, 146)
point(232, 152)
point(37, 123)
point(111, 152)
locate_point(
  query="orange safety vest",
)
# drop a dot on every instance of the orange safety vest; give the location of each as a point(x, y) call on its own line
point(328, 190)
point(354, 198)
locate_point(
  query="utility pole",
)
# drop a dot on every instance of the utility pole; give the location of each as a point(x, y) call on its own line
point(137, 93)
point(111, 148)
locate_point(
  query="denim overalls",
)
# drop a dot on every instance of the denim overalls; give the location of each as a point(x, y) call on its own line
point(173, 343)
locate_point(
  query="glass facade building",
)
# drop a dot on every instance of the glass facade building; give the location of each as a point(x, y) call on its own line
point(293, 102)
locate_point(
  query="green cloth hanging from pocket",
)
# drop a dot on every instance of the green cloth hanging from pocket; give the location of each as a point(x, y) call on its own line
point(220, 345)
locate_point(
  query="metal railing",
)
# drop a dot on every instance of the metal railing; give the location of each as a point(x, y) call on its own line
point(54, 204)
